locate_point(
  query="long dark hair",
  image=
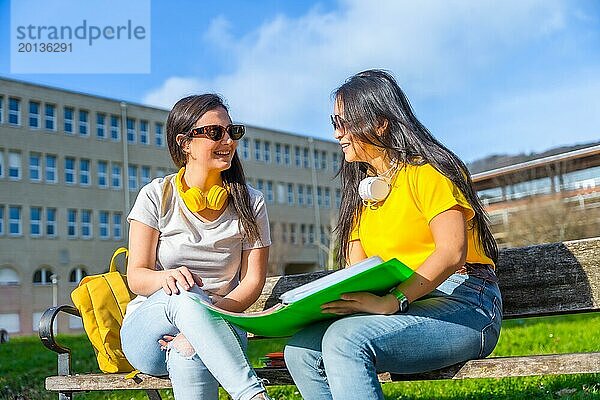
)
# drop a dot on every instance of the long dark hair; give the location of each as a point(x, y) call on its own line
point(181, 120)
point(368, 99)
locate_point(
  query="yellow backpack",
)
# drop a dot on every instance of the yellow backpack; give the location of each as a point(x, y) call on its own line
point(101, 301)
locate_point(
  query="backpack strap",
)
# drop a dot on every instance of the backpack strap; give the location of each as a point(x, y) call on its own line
point(113, 260)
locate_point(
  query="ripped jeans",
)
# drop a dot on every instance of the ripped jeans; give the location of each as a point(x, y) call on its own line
point(217, 353)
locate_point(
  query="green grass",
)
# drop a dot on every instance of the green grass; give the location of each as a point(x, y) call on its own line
point(24, 363)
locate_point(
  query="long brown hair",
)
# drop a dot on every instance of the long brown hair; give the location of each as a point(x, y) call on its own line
point(181, 120)
point(367, 99)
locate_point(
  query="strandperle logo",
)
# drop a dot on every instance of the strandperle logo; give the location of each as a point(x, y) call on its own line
point(84, 31)
point(74, 36)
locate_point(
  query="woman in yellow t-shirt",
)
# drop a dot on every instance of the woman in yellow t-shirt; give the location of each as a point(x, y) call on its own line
point(407, 196)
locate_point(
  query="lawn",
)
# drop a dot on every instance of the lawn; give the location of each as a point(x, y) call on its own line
point(24, 363)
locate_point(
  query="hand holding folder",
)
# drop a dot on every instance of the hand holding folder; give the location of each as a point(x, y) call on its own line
point(302, 306)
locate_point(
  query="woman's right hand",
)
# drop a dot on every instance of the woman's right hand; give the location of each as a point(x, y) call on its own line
point(182, 276)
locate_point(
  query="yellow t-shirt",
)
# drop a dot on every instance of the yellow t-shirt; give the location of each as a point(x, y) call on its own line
point(400, 226)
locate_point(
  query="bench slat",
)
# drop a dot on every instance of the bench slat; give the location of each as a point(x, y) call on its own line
point(498, 367)
point(545, 279)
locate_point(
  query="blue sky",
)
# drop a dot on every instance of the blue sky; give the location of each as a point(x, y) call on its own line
point(486, 77)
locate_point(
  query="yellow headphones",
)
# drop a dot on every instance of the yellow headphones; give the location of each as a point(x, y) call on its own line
point(196, 200)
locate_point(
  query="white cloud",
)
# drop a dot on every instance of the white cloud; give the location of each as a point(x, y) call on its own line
point(284, 70)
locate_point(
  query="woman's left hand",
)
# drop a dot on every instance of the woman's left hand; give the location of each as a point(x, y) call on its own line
point(365, 302)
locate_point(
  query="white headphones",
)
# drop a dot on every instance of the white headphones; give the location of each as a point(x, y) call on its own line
point(374, 189)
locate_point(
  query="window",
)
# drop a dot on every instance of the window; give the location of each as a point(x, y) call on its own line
point(336, 162)
point(115, 133)
point(1, 109)
point(50, 169)
point(84, 172)
point(70, 171)
point(77, 274)
point(83, 123)
point(51, 222)
point(267, 152)
point(50, 117)
point(9, 277)
point(14, 165)
point(71, 223)
point(319, 196)
point(100, 126)
point(117, 226)
point(257, 150)
point(323, 237)
point(35, 167)
point(316, 159)
point(284, 232)
point(103, 224)
point(297, 157)
point(270, 196)
point(323, 160)
point(35, 221)
point(143, 132)
point(131, 134)
point(34, 115)
point(311, 234)
point(86, 224)
point(68, 112)
point(102, 172)
point(293, 233)
point(260, 185)
point(116, 176)
point(145, 178)
point(300, 195)
point(309, 196)
point(245, 149)
point(338, 198)
point(305, 162)
point(278, 158)
point(42, 276)
point(327, 198)
point(132, 172)
point(1, 163)
point(14, 111)
point(286, 154)
point(159, 138)
point(1, 220)
point(303, 233)
point(14, 220)
point(290, 194)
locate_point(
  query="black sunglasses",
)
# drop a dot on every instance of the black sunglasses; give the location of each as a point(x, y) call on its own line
point(216, 132)
point(337, 122)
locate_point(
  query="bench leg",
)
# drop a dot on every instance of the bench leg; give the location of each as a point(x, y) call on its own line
point(153, 394)
point(65, 395)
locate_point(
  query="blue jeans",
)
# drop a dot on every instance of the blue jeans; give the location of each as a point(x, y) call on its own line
point(217, 355)
point(458, 321)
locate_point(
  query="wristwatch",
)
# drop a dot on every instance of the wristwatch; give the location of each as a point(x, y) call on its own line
point(402, 300)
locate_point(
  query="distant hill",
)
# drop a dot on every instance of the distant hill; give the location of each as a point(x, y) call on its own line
point(502, 160)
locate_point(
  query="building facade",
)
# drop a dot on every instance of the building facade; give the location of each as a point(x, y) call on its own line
point(546, 199)
point(71, 165)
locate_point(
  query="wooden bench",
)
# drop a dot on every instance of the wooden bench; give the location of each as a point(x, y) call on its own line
point(541, 280)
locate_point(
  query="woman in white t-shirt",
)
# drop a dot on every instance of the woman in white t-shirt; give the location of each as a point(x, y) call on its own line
point(203, 233)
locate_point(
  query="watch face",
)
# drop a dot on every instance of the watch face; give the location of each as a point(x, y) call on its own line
point(404, 305)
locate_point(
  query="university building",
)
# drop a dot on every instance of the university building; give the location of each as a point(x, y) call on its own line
point(71, 165)
point(549, 198)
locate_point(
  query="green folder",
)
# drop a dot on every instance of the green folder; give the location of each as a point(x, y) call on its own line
point(302, 306)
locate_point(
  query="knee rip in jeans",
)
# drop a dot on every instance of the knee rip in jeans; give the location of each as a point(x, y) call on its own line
point(182, 346)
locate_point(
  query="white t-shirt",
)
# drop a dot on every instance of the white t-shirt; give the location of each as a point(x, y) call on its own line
point(213, 249)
